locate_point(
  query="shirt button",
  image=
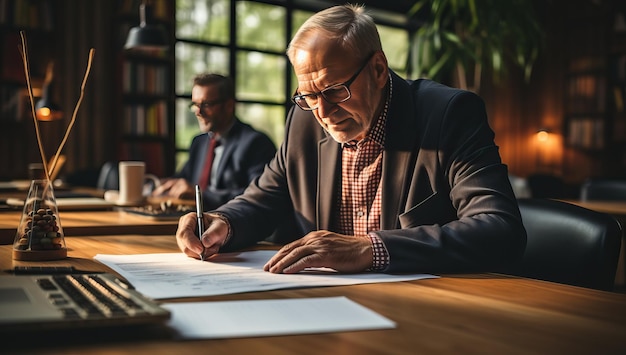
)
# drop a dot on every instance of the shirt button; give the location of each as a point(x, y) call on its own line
point(360, 214)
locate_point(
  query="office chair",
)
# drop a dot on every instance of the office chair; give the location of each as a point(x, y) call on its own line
point(108, 178)
point(569, 244)
point(603, 190)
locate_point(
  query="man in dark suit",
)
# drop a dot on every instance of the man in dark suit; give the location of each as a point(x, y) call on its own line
point(237, 156)
point(375, 172)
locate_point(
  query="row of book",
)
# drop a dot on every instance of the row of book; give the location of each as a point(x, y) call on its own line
point(146, 120)
point(143, 78)
point(586, 93)
point(160, 8)
point(586, 132)
point(152, 153)
point(27, 14)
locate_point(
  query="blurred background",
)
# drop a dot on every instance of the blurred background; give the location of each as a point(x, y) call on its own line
point(551, 72)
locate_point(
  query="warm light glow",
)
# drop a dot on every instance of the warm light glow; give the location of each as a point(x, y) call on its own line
point(45, 114)
point(543, 136)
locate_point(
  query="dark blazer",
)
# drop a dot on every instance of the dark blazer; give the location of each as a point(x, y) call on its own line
point(447, 203)
point(246, 151)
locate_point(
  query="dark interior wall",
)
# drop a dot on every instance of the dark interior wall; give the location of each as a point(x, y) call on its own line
point(516, 109)
point(84, 25)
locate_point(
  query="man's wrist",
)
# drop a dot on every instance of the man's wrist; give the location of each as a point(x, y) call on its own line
point(224, 219)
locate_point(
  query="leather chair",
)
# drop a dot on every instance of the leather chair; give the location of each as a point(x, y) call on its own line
point(108, 179)
point(603, 190)
point(569, 244)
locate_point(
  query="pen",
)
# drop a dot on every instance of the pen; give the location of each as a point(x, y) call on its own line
point(199, 210)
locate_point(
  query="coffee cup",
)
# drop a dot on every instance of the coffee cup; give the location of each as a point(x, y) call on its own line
point(133, 177)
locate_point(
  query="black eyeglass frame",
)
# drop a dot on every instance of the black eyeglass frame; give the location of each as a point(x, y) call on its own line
point(300, 99)
point(205, 104)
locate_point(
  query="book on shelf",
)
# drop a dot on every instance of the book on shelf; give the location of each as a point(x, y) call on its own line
point(587, 133)
point(142, 78)
point(152, 153)
point(146, 120)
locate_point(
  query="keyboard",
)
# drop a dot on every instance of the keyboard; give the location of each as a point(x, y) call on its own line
point(73, 300)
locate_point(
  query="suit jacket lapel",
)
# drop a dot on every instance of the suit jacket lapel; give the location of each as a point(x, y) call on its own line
point(327, 181)
point(401, 140)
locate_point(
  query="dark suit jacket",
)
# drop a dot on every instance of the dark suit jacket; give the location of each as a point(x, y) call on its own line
point(246, 151)
point(447, 203)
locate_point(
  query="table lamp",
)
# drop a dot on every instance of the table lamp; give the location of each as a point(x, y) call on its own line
point(46, 109)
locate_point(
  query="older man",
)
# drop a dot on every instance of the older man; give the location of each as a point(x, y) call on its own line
point(376, 173)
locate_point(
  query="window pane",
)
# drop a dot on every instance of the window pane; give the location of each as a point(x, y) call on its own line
point(261, 26)
point(203, 20)
point(299, 16)
point(260, 77)
point(193, 59)
point(181, 159)
point(269, 119)
point(396, 47)
point(186, 124)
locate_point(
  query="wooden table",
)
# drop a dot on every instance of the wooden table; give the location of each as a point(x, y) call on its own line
point(93, 223)
point(112, 220)
point(455, 314)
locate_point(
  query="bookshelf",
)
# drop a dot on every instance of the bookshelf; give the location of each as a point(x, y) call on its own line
point(146, 96)
point(595, 88)
point(617, 87)
point(37, 19)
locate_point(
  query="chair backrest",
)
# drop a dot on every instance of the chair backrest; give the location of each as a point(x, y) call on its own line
point(108, 178)
point(569, 244)
point(603, 189)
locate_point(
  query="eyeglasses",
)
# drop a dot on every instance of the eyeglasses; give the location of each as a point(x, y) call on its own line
point(202, 106)
point(334, 94)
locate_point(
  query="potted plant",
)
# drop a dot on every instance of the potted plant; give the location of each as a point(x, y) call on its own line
point(464, 37)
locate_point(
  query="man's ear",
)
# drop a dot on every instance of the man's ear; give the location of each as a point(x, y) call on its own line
point(381, 68)
point(230, 105)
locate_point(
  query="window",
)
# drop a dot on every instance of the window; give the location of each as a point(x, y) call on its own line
point(247, 40)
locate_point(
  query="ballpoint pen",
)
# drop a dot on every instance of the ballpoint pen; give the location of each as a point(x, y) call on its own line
point(199, 210)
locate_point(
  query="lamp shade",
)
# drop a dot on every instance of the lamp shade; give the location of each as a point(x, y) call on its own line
point(146, 36)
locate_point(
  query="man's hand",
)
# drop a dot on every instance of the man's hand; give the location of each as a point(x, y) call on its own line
point(323, 249)
point(211, 240)
point(176, 188)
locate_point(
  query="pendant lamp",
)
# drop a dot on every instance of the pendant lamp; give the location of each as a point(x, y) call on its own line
point(146, 36)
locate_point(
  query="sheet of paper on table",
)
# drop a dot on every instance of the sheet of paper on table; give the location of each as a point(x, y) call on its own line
point(234, 319)
point(175, 275)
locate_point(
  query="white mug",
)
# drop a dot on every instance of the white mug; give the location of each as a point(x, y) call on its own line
point(133, 184)
point(132, 179)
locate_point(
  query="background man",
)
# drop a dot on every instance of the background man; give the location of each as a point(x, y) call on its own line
point(227, 156)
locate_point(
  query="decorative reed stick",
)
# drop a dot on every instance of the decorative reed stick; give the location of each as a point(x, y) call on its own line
point(32, 101)
point(49, 169)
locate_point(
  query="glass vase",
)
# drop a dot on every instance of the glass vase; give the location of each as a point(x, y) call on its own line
point(39, 235)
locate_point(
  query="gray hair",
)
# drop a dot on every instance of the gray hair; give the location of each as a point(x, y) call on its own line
point(349, 25)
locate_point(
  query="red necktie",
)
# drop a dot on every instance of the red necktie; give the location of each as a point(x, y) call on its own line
point(205, 178)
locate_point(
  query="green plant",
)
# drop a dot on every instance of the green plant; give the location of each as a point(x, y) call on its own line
point(464, 37)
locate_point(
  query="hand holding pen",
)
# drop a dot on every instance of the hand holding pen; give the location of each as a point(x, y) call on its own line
point(199, 217)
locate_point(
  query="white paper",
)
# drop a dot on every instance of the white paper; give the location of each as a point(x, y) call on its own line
point(232, 319)
point(175, 275)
